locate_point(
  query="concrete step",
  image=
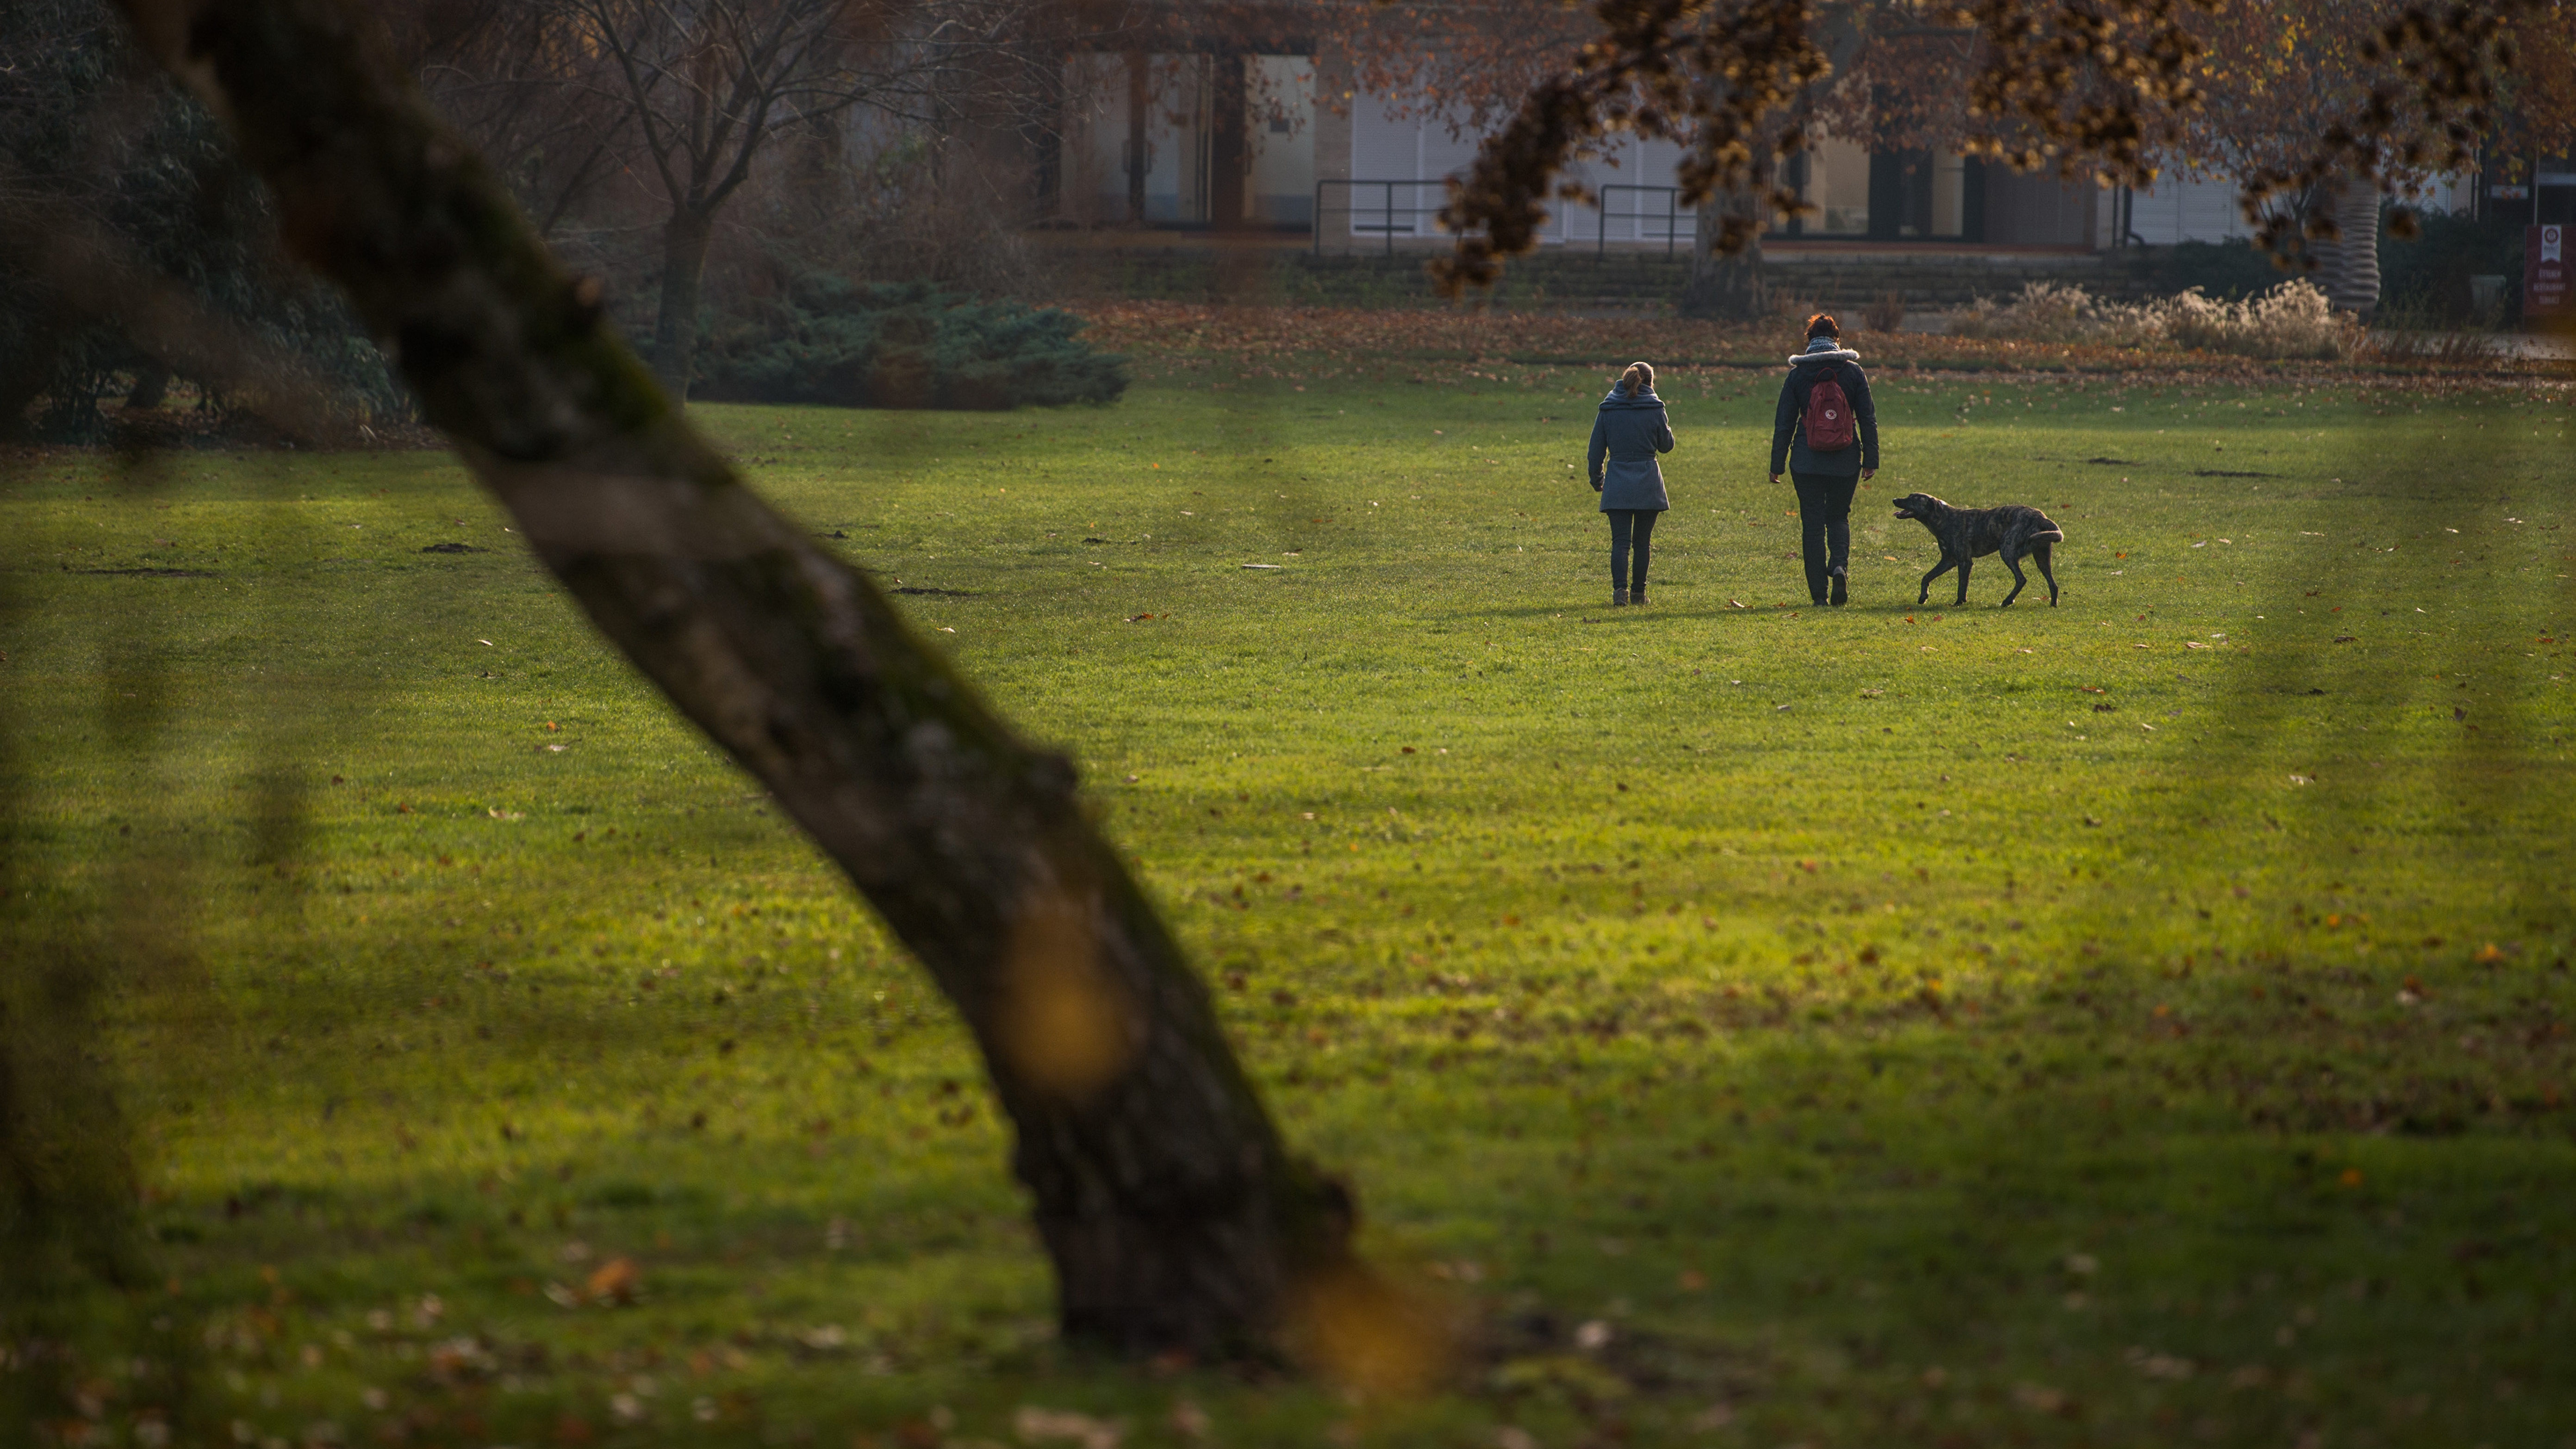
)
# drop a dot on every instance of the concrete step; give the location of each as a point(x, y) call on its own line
point(1578, 280)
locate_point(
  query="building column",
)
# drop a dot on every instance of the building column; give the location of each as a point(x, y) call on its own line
point(1886, 195)
point(1230, 143)
point(1336, 91)
point(1140, 100)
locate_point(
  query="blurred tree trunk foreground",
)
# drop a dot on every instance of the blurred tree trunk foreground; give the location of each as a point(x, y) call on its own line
point(1173, 1212)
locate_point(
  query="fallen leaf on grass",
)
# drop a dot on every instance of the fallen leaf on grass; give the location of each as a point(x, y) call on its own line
point(2041, 1400)
point(497, 813)
point(616, 1280)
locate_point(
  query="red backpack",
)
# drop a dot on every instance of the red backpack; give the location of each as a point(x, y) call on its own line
point(1829, 418)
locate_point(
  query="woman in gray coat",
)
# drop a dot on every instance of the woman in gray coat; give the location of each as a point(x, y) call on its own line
point(1630, 430)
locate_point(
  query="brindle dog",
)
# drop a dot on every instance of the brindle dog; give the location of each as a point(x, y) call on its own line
point(1968, 534)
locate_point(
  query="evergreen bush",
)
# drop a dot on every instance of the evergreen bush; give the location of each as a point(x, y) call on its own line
point(152, 170)
point(2228, 270)
point(839, 343)
point(2427, 275)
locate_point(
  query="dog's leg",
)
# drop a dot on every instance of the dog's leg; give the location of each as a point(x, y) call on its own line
point(1938, 570)
point(2039, 556)
point(2019, 579)
point(1963, 583)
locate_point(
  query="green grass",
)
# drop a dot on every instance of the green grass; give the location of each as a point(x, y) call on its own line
point(1892, 1025)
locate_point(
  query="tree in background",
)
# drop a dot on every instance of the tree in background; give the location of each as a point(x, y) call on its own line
point(707, 87)
point(544, 108)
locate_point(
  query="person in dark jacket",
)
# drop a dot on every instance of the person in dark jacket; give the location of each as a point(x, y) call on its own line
point(1826, 478)
point(1629, 430)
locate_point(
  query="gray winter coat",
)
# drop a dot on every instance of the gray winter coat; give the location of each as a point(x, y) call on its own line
point(1630, 431)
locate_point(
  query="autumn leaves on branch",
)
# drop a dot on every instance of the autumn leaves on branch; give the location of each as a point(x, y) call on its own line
point(2115, 90)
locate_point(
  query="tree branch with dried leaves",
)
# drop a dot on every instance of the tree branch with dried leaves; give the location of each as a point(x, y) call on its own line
point(2104, 90)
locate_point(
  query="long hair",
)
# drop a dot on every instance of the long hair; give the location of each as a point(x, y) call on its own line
point(1639, 378)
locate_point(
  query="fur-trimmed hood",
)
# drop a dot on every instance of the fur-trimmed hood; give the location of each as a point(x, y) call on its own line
point(1839, 354)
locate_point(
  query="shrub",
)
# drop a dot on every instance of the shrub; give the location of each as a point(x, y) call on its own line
point(175, 207)
point(2233, 270)
point(2425, 278)
point(2293, 319)
point(846, 344)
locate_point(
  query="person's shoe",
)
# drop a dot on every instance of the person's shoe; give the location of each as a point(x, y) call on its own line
point(1637, 597)
point(1618, 598)
point(1841, 594)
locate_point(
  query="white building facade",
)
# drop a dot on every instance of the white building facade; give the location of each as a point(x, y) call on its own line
point(1280, 143)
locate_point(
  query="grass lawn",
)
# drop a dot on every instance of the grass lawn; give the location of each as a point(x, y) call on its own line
point(2139, 1022)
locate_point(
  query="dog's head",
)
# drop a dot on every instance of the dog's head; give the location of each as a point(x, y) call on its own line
point(1921, 506)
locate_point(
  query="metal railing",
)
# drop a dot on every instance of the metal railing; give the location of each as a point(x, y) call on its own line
point(1377, 199)
point(1678, 221)
point(1406, 208)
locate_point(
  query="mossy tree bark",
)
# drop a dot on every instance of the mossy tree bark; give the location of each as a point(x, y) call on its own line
point(1173, 1211)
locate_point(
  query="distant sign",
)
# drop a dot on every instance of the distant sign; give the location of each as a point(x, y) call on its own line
point(2510, 193)
point(2545, 283)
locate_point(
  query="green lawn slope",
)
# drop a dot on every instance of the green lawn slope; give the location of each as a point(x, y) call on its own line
point(2136, 1022)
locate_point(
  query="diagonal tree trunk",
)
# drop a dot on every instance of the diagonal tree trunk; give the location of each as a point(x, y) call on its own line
point(1172, 1209)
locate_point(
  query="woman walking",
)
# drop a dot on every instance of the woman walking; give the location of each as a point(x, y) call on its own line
point(1630, 430)
point(1826, 431)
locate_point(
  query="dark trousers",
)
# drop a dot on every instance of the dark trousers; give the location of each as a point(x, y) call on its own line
point(1632, 536)
point(1824, 525)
